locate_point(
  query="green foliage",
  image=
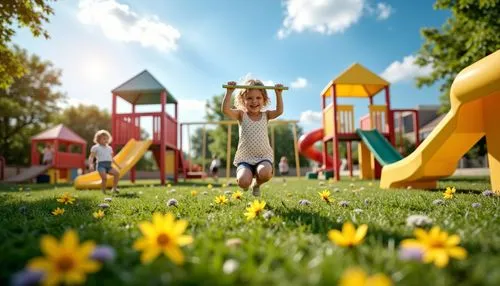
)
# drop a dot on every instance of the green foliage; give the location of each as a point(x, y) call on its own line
point(28, 106)
point(471, 33)
point(85, 120)
point(27, 13)
point(291, 248)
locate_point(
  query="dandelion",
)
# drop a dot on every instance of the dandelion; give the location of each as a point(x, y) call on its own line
point(58, 211)
point(418, 220)
point(162, 235)
point(230, 266)
point(209, 186)
point(325, 196)
point(98, 214)
point(66, 261)
point(255, 209)
point(357, 277)
point(237, 195)
point(172, 202)
point(221, 200)
point(437, 246)
point(66, 198)
point(448, 194)
point(304, 203)
point(350, 236)
point(194, 193)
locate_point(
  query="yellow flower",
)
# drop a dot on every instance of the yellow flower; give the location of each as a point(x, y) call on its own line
point(194, 193)
point(350, 236)
point(325, 196)
point(437, 246)
point(162, 235)
point(357, 277)
point(169, 185)
point(58, 211)
point(66, 198)
point(65, 261)
point(255, 209)
point(221, 200)
point(237, 195)
point(448, 194)
point(98, 214)
point(224, 185)
point(209, 186)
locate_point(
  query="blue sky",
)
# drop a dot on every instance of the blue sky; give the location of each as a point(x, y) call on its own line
point(194, 46)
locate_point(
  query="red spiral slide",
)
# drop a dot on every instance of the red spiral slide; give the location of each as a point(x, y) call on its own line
point(306, 148)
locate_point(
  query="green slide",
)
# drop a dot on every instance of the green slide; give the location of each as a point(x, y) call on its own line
point(379, 146)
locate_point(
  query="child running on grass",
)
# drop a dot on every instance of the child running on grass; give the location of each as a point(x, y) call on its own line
point(254, 156)
point(104, 154)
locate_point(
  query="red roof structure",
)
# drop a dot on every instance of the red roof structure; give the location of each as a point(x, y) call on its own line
point(60, 132)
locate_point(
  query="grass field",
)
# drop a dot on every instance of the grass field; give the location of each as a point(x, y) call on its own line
point(290, 248)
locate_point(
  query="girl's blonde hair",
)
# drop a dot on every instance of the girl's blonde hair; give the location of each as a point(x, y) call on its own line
point(239, 101)
point(100, 133)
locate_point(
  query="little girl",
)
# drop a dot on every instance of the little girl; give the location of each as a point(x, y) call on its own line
point(254, 156)
point(104, 154)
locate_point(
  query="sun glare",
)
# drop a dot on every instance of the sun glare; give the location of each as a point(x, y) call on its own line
point(94, 69)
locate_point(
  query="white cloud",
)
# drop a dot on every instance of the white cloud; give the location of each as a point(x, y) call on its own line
point(327, 16)
point(192, 104)
point(323, 16)
point(309, 117)
point(300, 82)
point(118, 22)
point(405, 70)
point(249, 75)
point(383, 11)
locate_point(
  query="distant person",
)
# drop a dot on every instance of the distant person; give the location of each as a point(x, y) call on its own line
point(254, 156)
point(104, 154)
point(48, 155)
point(214, 168)
point(283, 167)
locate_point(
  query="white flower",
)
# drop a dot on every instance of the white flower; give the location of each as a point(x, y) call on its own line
point(304, 203)
point(488, 193)
point(418, 220)
point(108, 200)
point(172, 202)
point(344, 203)
point(104, 205)
point(230, 266)
point(268, 214)
point(358, 211)
point(234, 242)
point(476, 205)
point(438, 202)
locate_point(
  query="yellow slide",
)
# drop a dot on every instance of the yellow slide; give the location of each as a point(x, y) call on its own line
point(126, 159)
point(475, 112)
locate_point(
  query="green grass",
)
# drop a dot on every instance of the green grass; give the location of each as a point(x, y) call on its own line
point(292, 248)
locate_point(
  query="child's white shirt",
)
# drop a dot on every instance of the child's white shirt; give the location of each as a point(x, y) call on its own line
point(283, 166)
point(103, 153)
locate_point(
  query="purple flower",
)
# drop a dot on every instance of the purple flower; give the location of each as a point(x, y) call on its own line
point(27, 277)
point(411, 253)
point(104, 205)
point(172, 202)
point(103, 253)
point(108, 200)
point(488, 193)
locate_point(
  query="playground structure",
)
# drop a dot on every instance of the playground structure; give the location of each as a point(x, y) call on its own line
point(229, 124)
point(475, 101)
point(339, 125)
point(68, 156)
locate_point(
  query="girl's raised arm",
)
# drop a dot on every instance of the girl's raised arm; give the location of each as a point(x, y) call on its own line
point(272, 114)
point(234, 114)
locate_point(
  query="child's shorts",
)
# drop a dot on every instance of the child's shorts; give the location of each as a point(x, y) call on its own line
point(251, 167)
point(104, 166)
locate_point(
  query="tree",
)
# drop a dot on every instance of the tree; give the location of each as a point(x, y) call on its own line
point(197, 146)
point(85, 120)
point(27, 106)
point(471, 33)
point(28, 13)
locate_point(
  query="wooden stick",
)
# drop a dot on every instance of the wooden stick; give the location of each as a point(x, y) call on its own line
point(255, 87)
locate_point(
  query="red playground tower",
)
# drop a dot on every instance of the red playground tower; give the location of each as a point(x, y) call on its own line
point(144, 89)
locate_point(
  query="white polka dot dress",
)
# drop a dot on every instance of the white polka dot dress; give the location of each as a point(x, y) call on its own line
point(253, 145)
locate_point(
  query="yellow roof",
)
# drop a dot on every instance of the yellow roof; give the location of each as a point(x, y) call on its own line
point(356, 81)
